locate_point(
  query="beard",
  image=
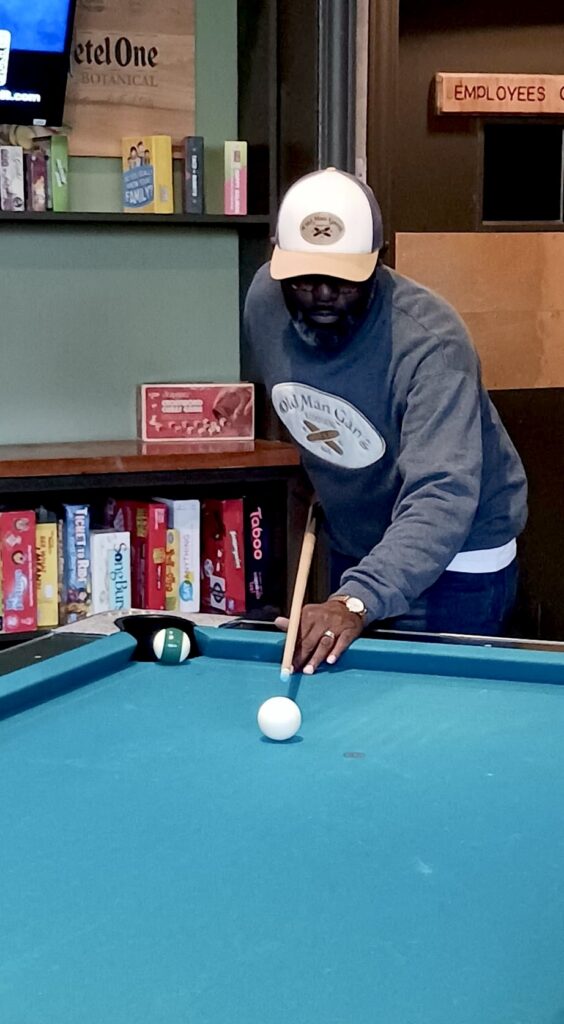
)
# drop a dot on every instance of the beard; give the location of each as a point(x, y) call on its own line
point(326, 339)
point(335, 337)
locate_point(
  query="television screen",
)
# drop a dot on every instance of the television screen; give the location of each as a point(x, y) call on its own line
point(35, 38)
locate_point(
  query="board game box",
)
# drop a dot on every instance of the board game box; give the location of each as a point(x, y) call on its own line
point(17, 572)
point(194, 174)
point(263, 555)
point(47, 574)
point(182, 554)
point(111, 570)
point(75, 581)
point(36, 181)
point(147, 174)
point(12, 187)
point(59, 171)
point(223, 556)
point(146, 523)
point(235, 186)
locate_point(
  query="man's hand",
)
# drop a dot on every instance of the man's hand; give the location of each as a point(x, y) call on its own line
point(326, 630)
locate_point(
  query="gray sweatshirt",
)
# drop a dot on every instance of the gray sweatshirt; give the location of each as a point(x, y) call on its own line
point(407, 454)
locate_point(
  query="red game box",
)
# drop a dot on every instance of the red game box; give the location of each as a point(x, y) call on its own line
point(17, 571)
point(146, 522)
point(222, 415)
point(223, 557)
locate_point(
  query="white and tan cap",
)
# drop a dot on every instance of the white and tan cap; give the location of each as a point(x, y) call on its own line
point(329, 223)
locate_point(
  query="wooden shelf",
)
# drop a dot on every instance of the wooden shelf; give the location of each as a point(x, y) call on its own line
point(70, 459)
point(517, 226)
point(205, 220)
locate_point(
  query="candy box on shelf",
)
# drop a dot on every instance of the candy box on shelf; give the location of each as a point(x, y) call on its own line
point(218, 415)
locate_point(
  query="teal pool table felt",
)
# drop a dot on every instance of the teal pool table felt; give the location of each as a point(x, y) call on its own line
point(401, 861)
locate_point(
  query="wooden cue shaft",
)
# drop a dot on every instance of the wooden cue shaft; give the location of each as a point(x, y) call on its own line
point(304, 566)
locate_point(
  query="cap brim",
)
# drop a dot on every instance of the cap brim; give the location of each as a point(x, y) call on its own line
point(347, 266)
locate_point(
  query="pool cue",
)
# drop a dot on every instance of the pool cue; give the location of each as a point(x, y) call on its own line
point(302, 575)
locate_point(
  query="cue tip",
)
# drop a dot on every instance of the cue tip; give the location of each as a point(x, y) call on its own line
point(285, 675)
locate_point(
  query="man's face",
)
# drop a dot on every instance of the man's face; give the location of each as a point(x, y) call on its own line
point(327, 302)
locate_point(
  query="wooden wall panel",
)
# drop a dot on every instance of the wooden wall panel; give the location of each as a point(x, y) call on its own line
point(436, 161)
point(132, 73)
point(361, 103)
point(509, 290)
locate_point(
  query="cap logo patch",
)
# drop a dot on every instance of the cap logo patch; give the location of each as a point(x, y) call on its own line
point(322, 228)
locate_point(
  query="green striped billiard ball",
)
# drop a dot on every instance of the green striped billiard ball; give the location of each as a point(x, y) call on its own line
point(171, 646)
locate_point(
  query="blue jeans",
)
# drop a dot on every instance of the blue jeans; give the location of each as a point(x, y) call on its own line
point(478, 604)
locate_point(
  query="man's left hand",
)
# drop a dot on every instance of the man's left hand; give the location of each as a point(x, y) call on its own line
point(326, 630)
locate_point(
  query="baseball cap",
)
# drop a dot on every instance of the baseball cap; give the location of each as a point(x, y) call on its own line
point(329, 223)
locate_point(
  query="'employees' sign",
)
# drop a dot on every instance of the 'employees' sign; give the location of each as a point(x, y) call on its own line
point(498, 94)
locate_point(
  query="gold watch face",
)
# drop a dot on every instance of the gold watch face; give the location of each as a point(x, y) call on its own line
point(354, 604)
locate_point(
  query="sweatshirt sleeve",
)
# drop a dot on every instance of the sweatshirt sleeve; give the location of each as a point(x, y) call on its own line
point(440, 465)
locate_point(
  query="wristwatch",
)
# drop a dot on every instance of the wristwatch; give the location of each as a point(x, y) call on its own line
point(352, 604)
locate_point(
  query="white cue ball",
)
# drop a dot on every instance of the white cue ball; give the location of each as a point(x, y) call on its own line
point(279, 718)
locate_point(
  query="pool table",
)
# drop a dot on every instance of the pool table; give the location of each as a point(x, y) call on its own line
point(400, 861)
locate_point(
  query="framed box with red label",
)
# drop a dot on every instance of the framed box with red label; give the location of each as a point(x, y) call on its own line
point(218, 415)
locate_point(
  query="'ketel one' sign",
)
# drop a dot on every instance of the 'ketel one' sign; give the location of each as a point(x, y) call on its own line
point(498, 94)
point(132, 73)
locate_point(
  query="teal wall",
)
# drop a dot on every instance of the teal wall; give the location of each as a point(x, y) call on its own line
point(86, 314)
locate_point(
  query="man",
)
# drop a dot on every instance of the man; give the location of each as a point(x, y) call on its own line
point(377, 381)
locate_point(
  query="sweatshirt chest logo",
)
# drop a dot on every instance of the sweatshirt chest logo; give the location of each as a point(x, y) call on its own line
point(328, 426)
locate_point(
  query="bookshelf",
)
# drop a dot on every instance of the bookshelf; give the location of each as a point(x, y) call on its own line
point(281, 146)
point(92, 471)
point(71, 466)
point(206, 220)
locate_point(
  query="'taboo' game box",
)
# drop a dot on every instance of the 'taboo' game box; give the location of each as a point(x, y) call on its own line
point(240, 556)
